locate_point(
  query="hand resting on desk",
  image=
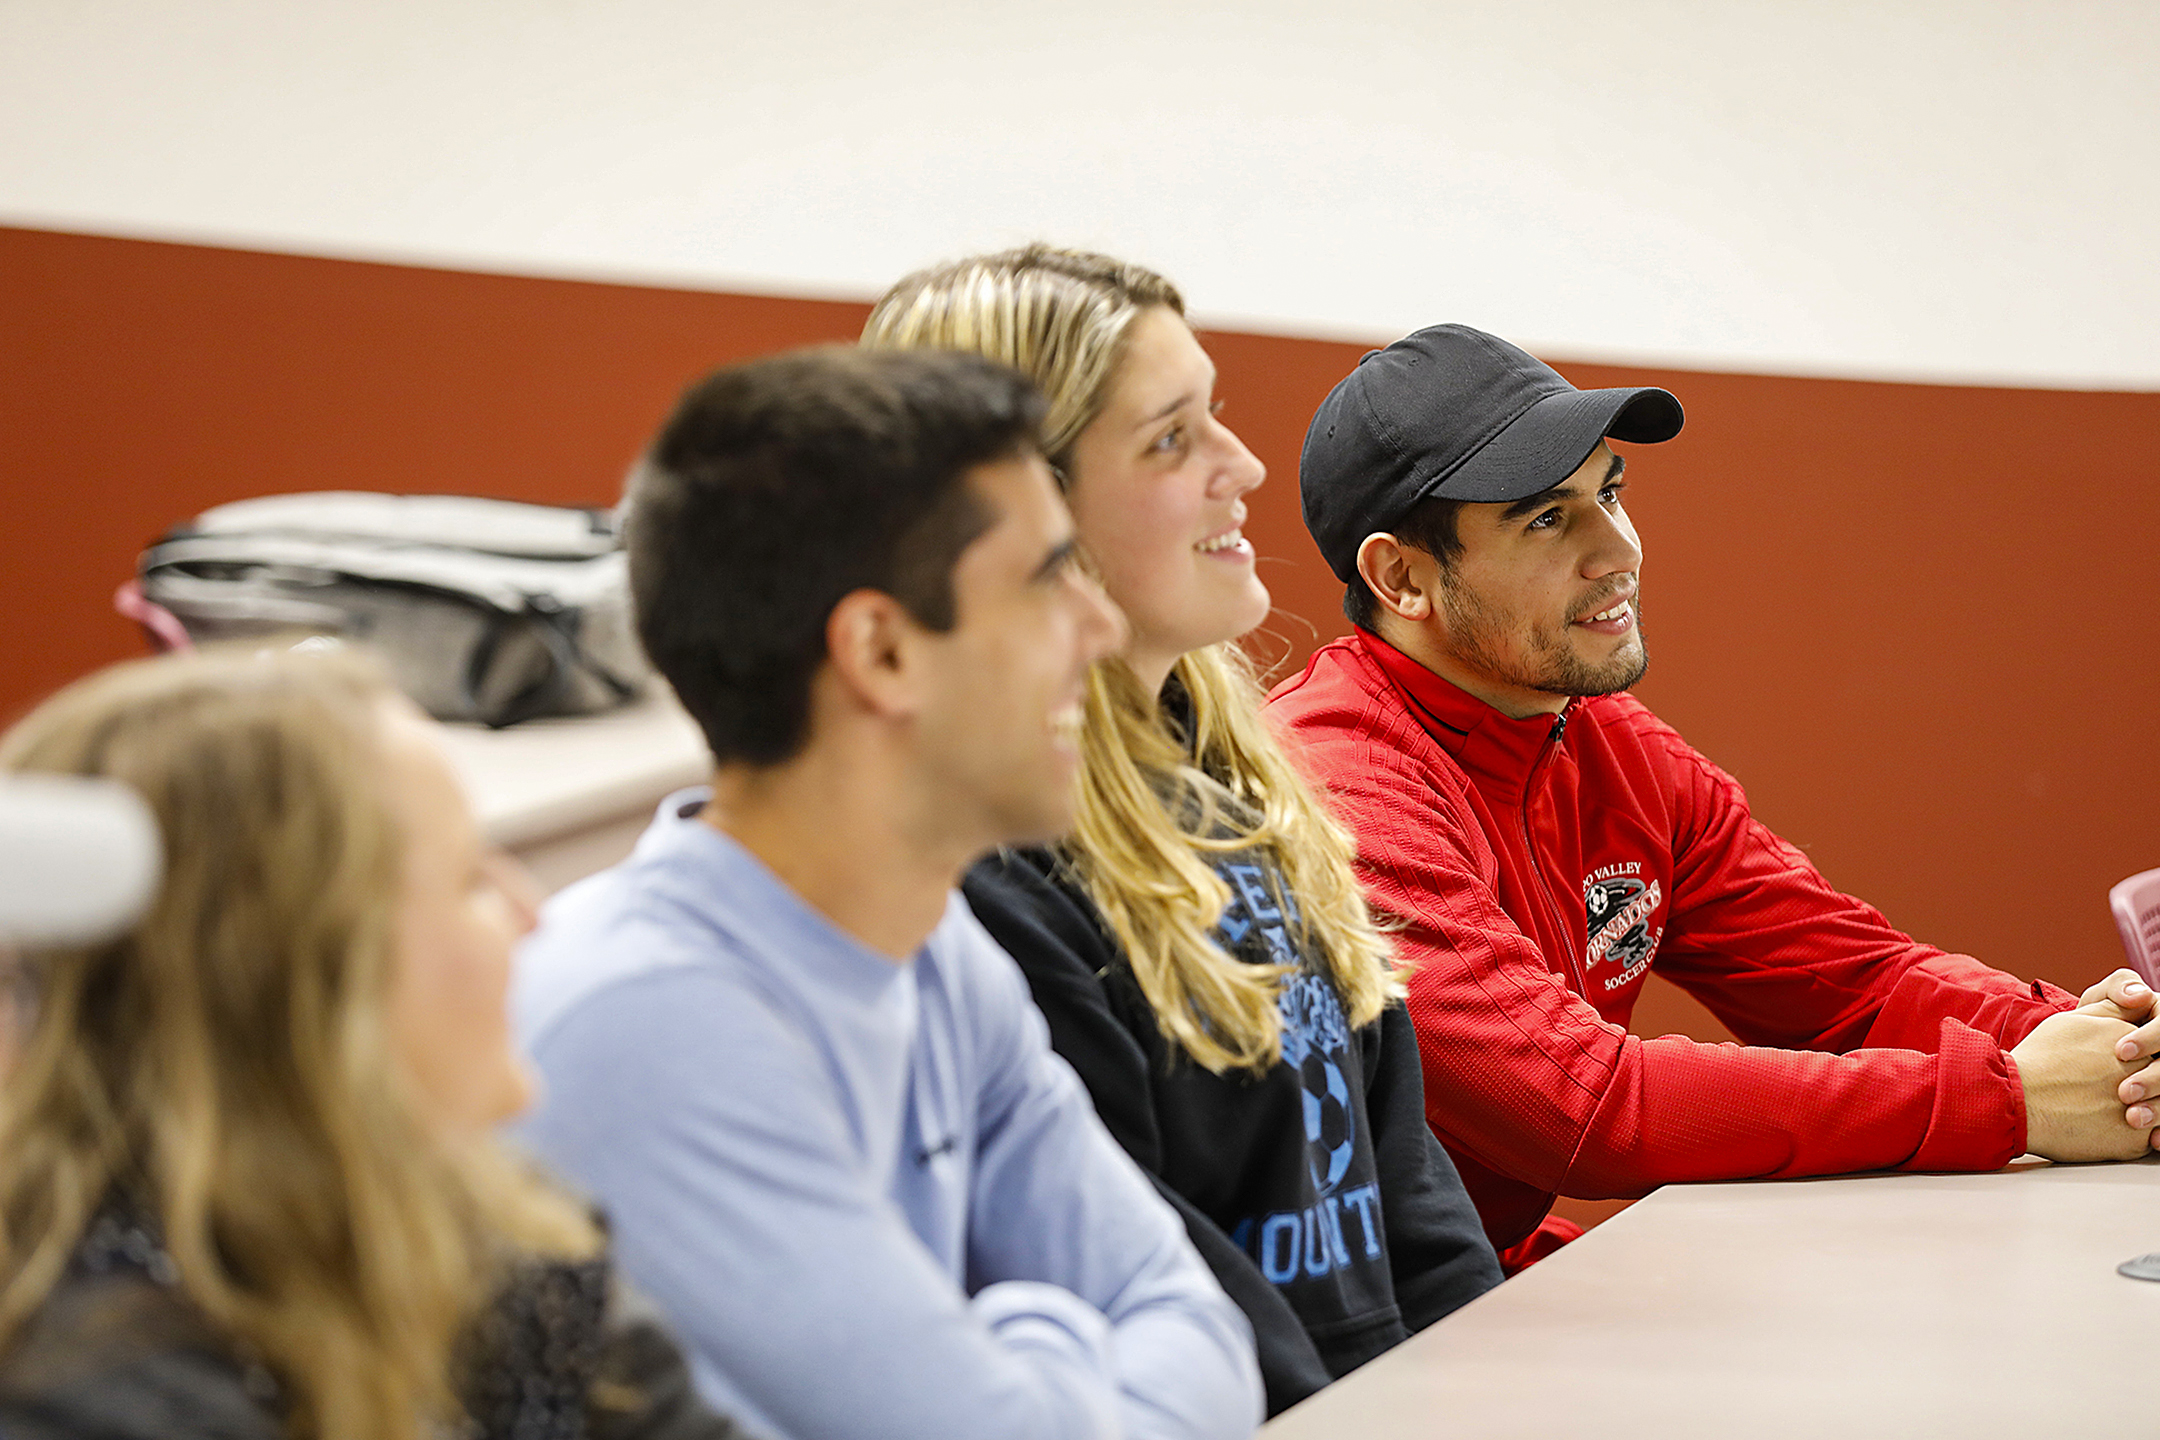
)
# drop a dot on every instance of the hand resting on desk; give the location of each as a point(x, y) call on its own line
point(2072, 1075)
point(2123, 996)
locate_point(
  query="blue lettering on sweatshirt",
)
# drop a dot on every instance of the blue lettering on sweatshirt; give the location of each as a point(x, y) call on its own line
point(1315, 1241)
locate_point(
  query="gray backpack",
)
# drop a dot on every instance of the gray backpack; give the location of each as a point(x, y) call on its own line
point(487, 610)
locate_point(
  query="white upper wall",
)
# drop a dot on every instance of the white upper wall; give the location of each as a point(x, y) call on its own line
point(1923, 189)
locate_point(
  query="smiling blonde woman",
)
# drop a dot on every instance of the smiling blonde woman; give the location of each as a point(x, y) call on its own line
point(1199, 945)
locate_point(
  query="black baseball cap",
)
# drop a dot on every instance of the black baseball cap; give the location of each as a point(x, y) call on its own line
point(1459, 414)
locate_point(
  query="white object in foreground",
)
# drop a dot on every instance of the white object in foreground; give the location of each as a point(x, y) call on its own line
point(79, 858)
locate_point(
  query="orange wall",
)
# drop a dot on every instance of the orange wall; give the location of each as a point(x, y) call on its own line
point(1915, 620)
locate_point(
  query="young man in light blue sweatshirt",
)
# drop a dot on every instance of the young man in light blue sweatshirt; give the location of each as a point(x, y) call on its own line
point(813, 1095)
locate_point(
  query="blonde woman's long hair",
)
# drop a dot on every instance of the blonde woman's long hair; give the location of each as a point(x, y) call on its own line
point(1153, 802)
point(225, 1066)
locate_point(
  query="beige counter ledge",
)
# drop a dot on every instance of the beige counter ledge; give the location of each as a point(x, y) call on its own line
point(1962, 1306)
point(569, 797)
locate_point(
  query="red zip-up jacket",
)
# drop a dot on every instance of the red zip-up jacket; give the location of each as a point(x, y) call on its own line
point(1542, 867)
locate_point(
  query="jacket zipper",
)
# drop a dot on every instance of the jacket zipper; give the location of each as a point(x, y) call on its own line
point(1552, 906)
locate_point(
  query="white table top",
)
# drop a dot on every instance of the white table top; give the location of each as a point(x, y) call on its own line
point(546, 778)
point(1872, 1305)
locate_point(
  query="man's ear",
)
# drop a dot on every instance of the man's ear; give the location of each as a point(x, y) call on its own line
point(869, 639)
point(1386, 566)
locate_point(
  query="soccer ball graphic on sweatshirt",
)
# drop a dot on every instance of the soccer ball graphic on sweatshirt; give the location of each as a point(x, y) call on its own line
point(1316, 1039)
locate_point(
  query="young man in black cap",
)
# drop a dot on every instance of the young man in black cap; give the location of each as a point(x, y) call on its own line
point(1545, 840)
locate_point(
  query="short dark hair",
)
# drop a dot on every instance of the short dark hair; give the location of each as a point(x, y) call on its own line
point(780, 486)
point(1430, 525)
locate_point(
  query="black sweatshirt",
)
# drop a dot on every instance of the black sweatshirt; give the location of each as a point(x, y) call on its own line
point(1314, 1190)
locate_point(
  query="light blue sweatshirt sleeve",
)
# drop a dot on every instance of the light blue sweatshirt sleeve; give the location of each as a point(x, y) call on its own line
point(709, 1128)
point(1060, 1201)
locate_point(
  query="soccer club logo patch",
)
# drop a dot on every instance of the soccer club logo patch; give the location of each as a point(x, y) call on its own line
point(1621, 910)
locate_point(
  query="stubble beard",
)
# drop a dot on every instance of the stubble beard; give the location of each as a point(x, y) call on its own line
point(1536, 656)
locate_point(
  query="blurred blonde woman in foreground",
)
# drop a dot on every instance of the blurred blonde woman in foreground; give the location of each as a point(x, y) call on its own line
point(247, 1184)
point(1199, 944)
